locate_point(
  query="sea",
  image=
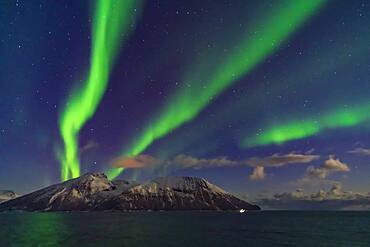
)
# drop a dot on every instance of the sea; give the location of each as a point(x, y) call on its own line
point(265, 228)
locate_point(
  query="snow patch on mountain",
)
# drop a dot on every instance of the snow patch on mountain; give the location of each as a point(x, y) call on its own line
point(6, 195)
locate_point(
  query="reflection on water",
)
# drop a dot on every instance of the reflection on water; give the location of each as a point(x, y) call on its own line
point(33, 229)
point(185, 229)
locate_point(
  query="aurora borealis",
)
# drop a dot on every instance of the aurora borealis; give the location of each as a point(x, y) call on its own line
point(111, 22)
point(199, 89)
point(87, 83)
point(340, 118)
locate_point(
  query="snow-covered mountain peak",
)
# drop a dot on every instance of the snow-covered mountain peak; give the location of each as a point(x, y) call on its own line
point(94, 182)
point(185, 184)
point(93, 191)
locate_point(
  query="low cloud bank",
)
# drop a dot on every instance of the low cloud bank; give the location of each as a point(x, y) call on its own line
point(334, 199)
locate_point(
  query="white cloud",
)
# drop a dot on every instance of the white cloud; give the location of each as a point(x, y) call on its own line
point(330, 165)
point(278, 160)
point(187, 161)
point(360, 151)
point(335, 165)
point(258, 173)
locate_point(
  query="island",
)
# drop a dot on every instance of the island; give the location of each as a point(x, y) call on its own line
point(95, 192)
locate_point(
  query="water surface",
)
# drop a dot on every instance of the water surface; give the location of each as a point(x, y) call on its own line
point(267, 228)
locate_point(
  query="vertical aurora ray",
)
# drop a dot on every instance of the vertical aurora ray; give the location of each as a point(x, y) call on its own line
point(295, 130)
point(112, 21)
point(200, 88)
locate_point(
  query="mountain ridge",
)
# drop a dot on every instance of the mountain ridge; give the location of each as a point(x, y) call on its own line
point(94, 192)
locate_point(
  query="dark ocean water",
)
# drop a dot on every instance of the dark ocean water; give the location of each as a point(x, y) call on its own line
point(268, 228)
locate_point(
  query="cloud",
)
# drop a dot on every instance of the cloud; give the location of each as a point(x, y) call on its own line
point(334, 199)
point(89, 145)
point(314, 173)
point(180, 161)
point(258, 173)
point(360, 151)
point(330, 165)
point(186, 161)
point(138, 161)
point(336, 189)
point(277, 160)
point(335, 165)
point(183, 161)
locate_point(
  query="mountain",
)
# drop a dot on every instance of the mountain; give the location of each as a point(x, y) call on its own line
point(94, 192)
point(6, 195)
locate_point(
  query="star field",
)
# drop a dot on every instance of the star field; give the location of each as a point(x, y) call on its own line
point(206, 79)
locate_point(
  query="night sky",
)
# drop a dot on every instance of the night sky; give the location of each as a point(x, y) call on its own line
point(258, 97)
